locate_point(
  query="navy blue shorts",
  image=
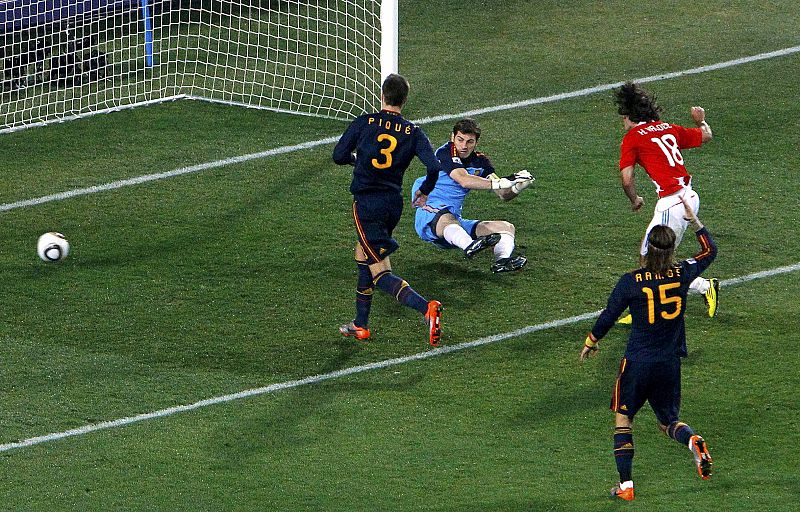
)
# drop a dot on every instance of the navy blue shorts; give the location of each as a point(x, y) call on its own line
point(376, 216)
point(658, 383)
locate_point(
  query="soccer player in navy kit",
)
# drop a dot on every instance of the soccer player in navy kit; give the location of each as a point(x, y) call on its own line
point(651, 368)
point(439, 221)
point(385, 143)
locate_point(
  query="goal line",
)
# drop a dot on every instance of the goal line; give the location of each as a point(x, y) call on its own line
point(427, 120)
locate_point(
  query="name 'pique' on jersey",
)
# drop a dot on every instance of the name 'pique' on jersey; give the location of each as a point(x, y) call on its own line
point(448, 192)
point(656, 146)
point(657, 303)
point(385, 143)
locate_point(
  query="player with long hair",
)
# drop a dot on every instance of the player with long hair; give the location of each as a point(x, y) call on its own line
point(656, 146)
point(650, 370)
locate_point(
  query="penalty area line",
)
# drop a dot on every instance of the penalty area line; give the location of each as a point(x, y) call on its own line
point(314, 379)
point(427, 120)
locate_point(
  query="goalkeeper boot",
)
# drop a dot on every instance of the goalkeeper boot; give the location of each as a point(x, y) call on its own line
point(351, 329)
point(481, 243)
point(702, 458)
point(711, 297)
point(509, 264)
point(434, 320)
point(625, 320)
point(617, 492)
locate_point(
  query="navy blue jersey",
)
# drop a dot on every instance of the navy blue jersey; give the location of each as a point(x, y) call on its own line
point(385, 143)
point(448, 192)
point(657, 303)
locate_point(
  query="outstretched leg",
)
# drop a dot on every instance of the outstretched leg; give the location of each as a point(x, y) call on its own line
point(397, 287)
point(504, 249)
point(448, 228)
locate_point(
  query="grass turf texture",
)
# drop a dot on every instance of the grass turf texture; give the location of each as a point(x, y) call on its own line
point(236, 277)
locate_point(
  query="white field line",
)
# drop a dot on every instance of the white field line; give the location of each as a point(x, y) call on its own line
point(162, 175)
point(314, 379)
point(330, 140)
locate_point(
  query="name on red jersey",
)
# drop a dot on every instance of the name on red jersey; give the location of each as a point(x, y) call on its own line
point(660, 127)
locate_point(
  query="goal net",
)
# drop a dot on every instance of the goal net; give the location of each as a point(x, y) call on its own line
point(64, 59)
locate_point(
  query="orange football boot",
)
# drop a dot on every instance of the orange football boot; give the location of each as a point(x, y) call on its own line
point(701, 456)
point(434, 319)
point(351, 329)
point(626, 494)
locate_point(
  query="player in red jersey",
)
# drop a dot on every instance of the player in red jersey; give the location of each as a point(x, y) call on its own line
point(656, 145)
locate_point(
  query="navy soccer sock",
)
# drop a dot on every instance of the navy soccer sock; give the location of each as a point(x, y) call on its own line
point(680, 432)
point(363, 295)
point(623, 452)
point(400, 290)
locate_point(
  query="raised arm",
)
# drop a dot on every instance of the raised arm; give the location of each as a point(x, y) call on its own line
point(699, 117)
point(708, 248)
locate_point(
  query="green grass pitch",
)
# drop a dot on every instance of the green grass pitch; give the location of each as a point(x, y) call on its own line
point(236, 277)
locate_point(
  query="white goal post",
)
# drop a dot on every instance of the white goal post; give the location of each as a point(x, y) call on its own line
point(66, 59)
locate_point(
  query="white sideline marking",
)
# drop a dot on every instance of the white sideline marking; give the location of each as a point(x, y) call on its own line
point(314, 379)
point(330, 140)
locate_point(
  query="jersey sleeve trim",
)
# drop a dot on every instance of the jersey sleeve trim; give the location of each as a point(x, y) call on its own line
point(705, 247)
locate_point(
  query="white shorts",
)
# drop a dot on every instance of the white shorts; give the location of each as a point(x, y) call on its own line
point(670, 211)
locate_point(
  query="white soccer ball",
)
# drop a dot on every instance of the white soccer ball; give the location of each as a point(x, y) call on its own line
point(52, 246)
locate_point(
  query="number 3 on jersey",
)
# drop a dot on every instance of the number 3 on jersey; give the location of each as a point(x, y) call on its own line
point(669, 145)
point(664, 300)
point(386, 152)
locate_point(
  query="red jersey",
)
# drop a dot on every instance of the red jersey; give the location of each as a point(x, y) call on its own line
point(656, 146)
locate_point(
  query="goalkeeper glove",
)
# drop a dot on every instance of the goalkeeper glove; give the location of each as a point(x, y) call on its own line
point(523, 180)
point(502, 183)
point(519, 179)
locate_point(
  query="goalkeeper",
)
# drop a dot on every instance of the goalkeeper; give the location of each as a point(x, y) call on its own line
point(439, 221)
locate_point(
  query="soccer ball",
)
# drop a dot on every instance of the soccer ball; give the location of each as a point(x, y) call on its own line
point(52, 246)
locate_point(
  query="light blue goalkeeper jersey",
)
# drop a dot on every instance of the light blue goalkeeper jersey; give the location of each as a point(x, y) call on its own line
point(448, 193)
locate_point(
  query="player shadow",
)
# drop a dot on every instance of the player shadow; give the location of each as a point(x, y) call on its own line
point(586, 392)
point(454, 283)
point(694, 357)
point(284, 428)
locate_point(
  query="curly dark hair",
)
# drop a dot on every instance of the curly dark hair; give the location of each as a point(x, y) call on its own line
point(636, 103)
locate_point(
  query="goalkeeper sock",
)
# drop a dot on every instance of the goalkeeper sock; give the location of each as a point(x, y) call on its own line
point(623, 452)
point(400, 290)
point(680, 432)
point(456, 235)
point(504, 247)
point(363, 295)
